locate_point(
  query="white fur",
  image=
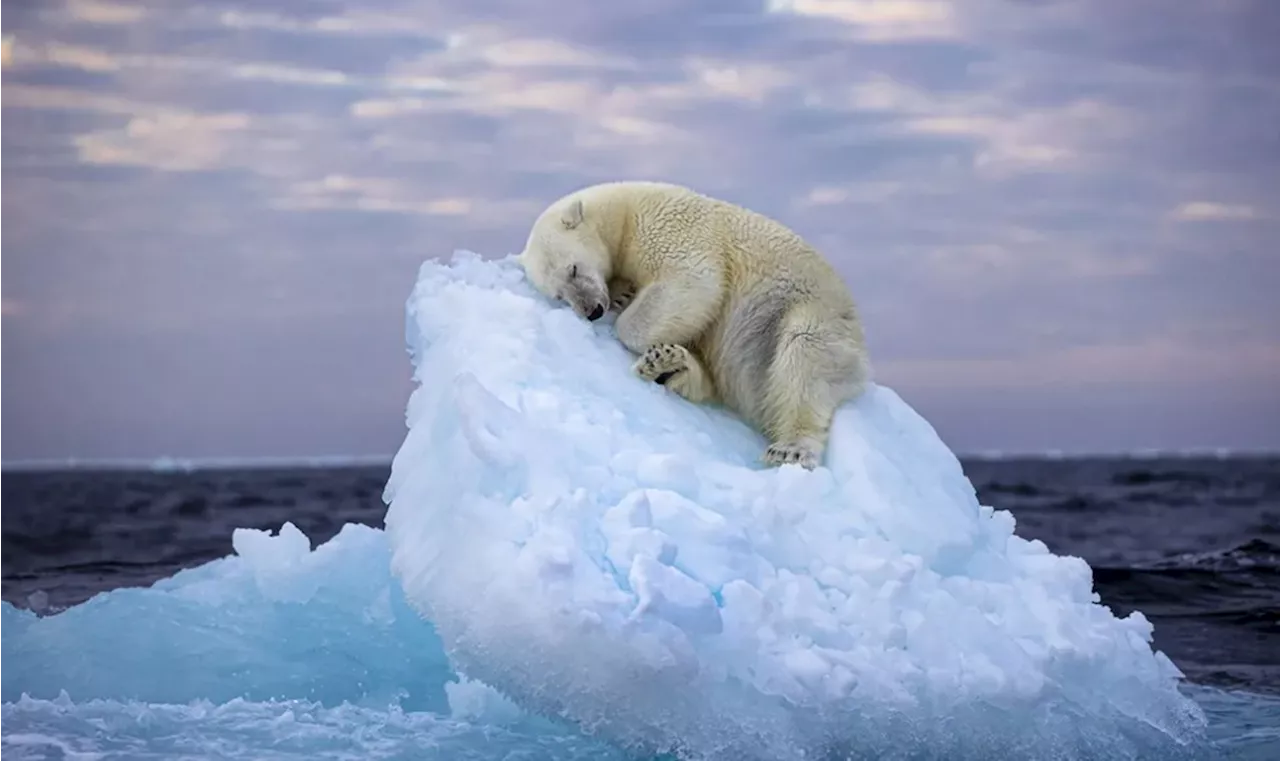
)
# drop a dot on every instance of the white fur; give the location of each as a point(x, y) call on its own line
point(720, 303)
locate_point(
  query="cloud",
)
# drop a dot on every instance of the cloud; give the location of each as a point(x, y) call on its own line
point(1209, 211)
point(878, 20)
point(1017, 193)
point(95, 12)
point(354, 23)
point(166, 142)
point(389, 195)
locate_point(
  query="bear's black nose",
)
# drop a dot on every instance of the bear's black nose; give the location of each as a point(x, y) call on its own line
point(596, 313)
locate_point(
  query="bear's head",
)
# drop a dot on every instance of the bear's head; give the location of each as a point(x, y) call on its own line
point(566, 259)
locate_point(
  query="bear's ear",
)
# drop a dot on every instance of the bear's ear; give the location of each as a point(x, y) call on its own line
point(572, 216)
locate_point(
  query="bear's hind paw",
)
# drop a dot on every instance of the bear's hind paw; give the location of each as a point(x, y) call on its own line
point(791, 453)
point(661, 363)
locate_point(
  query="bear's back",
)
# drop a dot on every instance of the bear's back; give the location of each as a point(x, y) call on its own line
point(668, 221)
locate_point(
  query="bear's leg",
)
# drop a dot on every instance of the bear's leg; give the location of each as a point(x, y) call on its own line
point(673, 311)
point(675, 367)
point(816, 366)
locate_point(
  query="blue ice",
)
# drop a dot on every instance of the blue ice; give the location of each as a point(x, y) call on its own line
point(577, 564)
point(279, 651)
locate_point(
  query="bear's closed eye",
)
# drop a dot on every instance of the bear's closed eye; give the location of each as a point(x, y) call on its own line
point(573, 271)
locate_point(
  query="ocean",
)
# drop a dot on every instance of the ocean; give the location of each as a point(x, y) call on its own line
point(1193, 543)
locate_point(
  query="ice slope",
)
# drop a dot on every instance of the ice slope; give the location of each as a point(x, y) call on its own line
point(601, 550)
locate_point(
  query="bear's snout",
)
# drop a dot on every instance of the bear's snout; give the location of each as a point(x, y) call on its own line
point(596, 313)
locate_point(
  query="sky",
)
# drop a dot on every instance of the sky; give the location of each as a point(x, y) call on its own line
point(1060, 219)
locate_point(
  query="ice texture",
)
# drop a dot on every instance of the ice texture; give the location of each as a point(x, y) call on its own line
point(275, 620)
point(599, 549)
point(590, 550)
point(279, 651)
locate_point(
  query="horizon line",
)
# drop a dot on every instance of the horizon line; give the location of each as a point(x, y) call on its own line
point(169, 463)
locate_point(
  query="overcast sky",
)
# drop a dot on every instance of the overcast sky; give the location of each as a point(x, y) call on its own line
point(1061, 218)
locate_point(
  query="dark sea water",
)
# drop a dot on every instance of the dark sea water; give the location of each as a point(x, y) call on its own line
point(1192, 543)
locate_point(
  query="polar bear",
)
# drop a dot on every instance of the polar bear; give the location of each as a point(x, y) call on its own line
point(722, 304)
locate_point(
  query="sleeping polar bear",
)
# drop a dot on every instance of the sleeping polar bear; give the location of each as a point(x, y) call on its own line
point(720, 303)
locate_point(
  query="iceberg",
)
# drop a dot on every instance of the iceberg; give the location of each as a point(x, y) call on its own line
point(578, 565)
point(606, 553)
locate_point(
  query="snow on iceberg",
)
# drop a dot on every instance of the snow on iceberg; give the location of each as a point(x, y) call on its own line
point(603, 551)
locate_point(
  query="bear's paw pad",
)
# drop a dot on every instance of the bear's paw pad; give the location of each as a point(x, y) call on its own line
point(791, 453)
point(661, 363)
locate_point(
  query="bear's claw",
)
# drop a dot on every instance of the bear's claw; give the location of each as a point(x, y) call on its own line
point(797, 453)
point(661, 363)
point(621, 294)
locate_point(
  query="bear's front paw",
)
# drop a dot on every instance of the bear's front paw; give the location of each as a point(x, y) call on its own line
point(661, 363)
point(621, 294)
point(792, 452)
